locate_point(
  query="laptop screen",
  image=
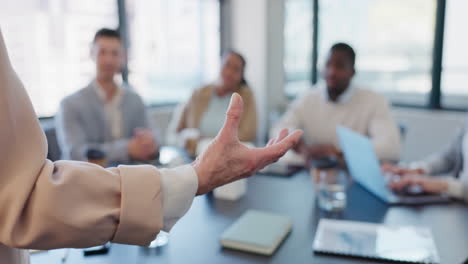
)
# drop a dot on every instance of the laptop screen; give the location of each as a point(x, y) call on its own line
point(362, 161)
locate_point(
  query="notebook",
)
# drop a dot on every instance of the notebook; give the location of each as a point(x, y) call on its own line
point(257, 232)
point(405, 244)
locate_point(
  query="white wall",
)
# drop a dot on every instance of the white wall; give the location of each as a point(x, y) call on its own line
point(248, 36)
point(257, 33)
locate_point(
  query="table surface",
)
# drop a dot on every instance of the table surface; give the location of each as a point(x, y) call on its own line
point(195, 238)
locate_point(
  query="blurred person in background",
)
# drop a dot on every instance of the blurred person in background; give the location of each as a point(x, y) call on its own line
point(106, 116)
point(443, 172)
point(200, 117)
point(338, 101)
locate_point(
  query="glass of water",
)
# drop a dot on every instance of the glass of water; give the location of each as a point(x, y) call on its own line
point(331, 189)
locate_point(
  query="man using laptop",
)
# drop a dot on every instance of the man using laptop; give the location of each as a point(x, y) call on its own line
point(452, 160)
point(338, 101)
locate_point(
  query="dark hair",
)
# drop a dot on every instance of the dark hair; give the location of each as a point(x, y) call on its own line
point(106, 33)
point(343, 47)
point(244, 63)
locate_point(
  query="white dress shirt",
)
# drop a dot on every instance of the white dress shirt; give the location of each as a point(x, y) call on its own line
point(364, 111)
point(112, 110)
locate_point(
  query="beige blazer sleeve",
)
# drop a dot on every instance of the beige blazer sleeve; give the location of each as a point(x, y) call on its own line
point(48, 205)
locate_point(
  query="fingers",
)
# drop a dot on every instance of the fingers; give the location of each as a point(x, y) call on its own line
point(405, 181)
point(233, 116)
point(283, 133)
point(397, 185)
point(275, 151)
point(289, 140)
point(271, 142)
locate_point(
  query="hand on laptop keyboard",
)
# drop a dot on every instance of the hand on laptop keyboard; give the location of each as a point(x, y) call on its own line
point(395, 179)
point(425, 184)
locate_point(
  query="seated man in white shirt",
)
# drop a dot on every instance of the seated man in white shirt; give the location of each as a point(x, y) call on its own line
point(338, 102)
point(105, 116)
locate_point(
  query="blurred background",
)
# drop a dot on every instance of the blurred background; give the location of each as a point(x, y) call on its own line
point(413, 51)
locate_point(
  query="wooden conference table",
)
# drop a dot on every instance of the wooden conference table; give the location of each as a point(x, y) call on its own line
point(195, 238)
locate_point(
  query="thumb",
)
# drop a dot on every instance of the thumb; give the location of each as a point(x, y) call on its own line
point(233, 117)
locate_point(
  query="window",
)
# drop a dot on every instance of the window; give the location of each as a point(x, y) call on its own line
point(174, 47)
point(298, 45)
point(455, 61)
point(48, 43)
point(393, 41)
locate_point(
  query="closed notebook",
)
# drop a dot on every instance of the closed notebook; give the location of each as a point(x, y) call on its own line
point(257, 232)
point(406, 244)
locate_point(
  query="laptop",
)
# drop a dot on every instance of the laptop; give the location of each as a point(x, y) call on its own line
point(364, 167)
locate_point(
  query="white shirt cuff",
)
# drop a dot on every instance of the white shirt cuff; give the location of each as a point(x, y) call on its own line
point(179, 187)
point(455, 188)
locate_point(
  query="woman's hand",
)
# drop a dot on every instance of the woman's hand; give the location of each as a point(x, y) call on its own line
point(227, 160)
point(427, 183)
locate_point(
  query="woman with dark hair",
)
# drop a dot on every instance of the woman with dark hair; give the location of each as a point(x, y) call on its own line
point(202, 116)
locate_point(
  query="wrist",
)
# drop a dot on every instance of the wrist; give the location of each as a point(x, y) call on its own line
point(199, 171)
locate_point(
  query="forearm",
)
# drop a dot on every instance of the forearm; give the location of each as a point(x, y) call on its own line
point(76, 204)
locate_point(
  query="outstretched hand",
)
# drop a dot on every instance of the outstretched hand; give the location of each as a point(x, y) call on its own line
point(227, 160)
